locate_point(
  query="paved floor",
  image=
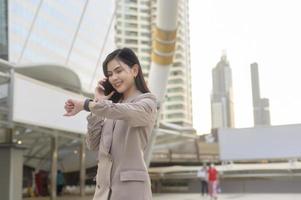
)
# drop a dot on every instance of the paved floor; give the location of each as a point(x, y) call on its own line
point(198, 197)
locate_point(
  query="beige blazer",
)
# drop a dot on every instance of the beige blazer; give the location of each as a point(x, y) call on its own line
point(120, 132)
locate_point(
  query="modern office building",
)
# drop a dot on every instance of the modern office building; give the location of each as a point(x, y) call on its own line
point(135, 20)
point(222, 106)
point(39, 34)
point(62, 33)
point(58, 32)
point(261, 111)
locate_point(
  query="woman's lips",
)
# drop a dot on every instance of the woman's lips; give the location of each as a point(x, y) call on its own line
point(116, 85)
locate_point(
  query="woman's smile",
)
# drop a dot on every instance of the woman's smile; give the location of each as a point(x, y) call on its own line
point(117, 84)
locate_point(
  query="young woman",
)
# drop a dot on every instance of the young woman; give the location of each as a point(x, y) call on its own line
point(119, 127)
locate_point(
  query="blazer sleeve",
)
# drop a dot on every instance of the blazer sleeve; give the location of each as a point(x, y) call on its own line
point(95, 125)
point(137, 114)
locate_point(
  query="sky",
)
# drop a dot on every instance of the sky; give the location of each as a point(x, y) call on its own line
point(264, 31)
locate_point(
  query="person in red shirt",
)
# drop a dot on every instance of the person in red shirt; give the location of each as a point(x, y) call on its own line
point(212, 178)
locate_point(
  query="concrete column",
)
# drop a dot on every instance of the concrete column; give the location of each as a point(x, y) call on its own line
point(162, 57)
point(54, 155)
point(82, 176)
point(197, 149)
point(8, 135)
point(11, 171)
point(170, 155)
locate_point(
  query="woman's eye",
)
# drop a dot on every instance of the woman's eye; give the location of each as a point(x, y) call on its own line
point(118, 71)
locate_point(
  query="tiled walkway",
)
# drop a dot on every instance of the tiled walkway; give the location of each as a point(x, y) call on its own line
point(198, 197)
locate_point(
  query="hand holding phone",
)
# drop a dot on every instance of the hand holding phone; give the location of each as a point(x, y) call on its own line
point(105, 88)
point(108, 88)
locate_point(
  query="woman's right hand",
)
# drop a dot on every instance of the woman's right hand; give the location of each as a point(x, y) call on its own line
point(99, 91)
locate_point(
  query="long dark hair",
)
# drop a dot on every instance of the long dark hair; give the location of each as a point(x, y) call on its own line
point(128, 57)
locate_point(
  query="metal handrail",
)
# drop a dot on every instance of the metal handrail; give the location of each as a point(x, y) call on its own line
point(5, 66)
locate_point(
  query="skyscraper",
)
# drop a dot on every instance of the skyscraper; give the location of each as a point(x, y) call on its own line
point(222, 110)
point(261, 110)
point(135, 22)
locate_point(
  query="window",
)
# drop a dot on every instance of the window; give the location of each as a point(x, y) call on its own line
point(175, 90)
point(176, 115)
point(175, 107)
point(131, 33)
point(176, 81)
point(131, 17)
point(130, 41)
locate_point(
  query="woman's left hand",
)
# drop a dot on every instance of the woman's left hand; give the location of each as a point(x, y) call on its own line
point(72, 107)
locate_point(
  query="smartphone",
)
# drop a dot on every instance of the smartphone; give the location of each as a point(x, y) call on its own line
point(108, 89)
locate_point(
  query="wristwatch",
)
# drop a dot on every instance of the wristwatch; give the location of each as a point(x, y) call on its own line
point(86, 105)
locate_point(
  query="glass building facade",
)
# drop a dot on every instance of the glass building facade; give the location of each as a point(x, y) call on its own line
point(76, 34)
point(3, 30)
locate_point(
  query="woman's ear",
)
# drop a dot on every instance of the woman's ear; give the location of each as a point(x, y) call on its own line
point(135, 70)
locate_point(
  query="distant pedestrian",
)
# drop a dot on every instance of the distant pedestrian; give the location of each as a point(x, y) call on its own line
point(203, 175)
point(60, 181)
point(213, 182)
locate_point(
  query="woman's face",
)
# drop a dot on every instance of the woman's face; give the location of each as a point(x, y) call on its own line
point(121, 76)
